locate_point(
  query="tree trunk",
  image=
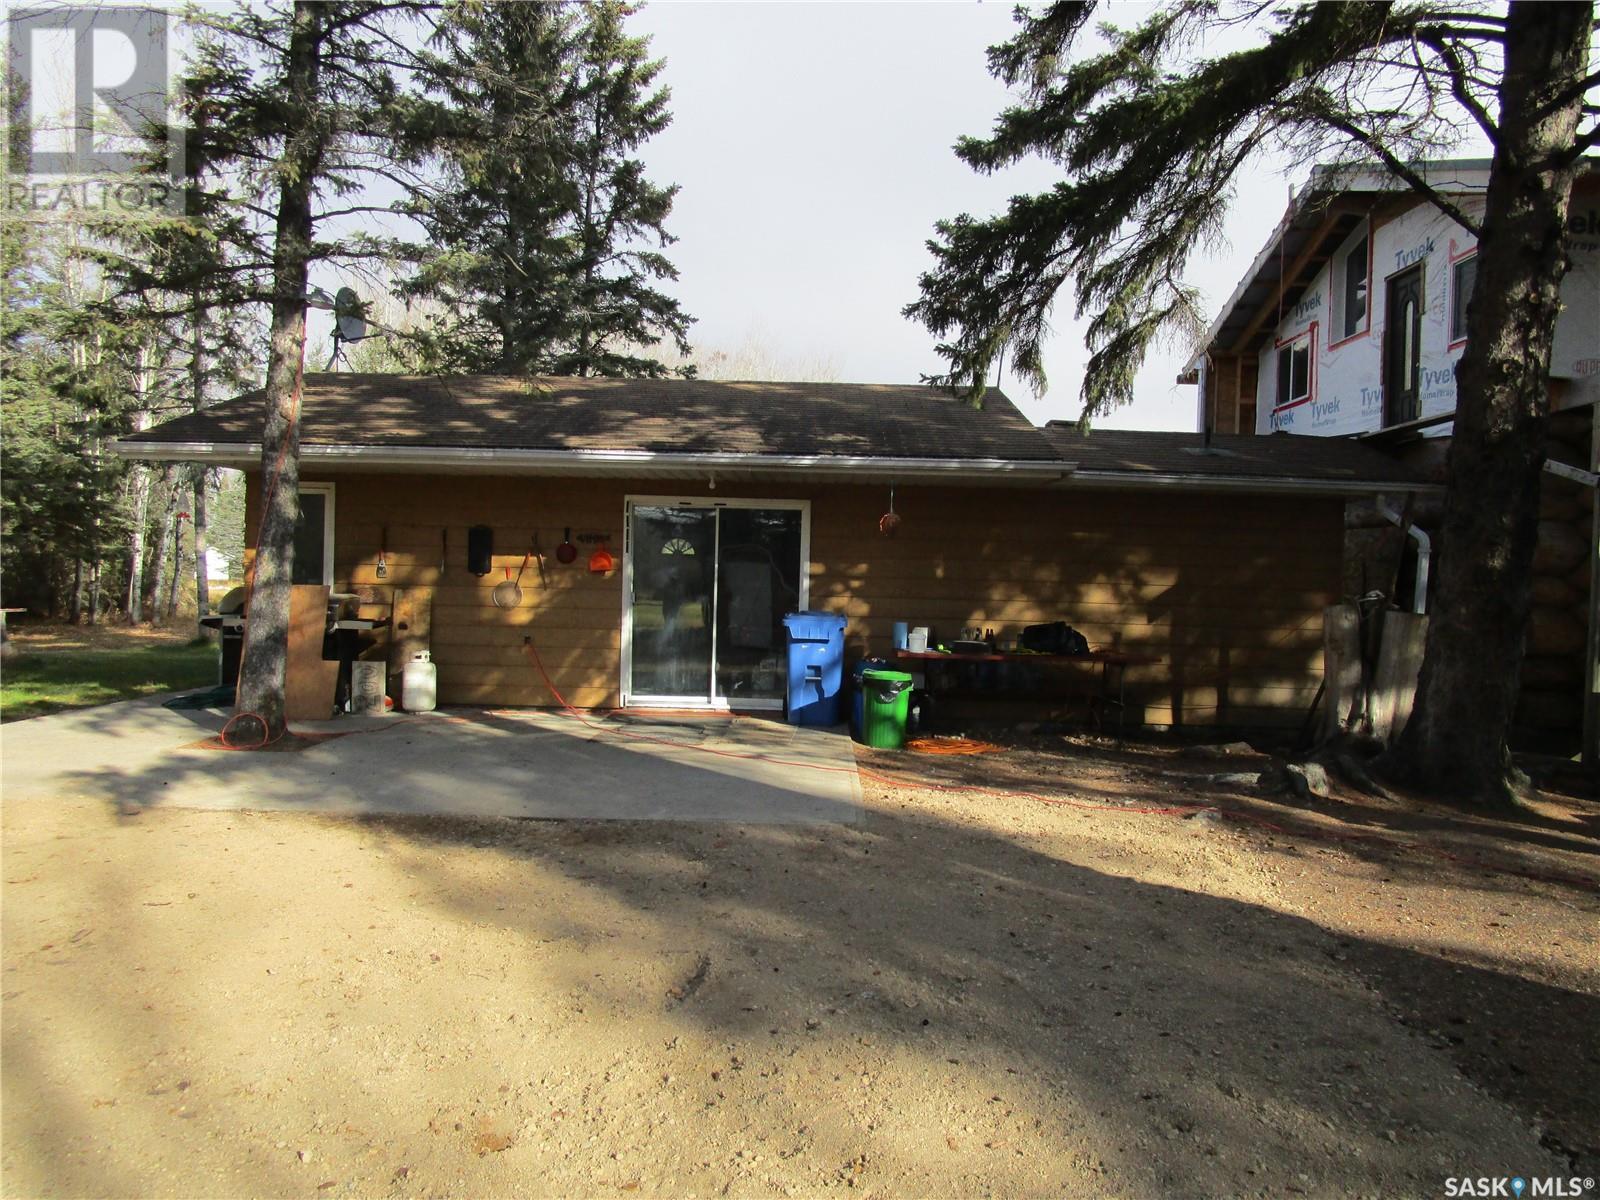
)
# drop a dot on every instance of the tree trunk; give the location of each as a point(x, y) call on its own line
point(75, 601)
point(139, 485)
point(94, 590)
point(139, 506)
point(174, 580)
point(266, 646)
point(1456, 743)
point(197, 400)
point(202, 594)
point(161, 555)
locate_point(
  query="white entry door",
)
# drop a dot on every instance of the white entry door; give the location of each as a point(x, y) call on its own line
point(706, 584)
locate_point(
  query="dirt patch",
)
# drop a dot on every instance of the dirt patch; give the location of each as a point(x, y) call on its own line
point(966, 994)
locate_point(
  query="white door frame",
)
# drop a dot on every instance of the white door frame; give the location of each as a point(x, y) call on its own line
point(331, 491)
point(710, 700)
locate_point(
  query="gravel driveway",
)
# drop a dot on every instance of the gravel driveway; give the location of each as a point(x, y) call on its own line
point(961, 994)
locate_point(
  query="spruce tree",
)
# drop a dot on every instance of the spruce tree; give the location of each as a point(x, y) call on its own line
point(295, 108)
point(547, 235)
point(1152, 134)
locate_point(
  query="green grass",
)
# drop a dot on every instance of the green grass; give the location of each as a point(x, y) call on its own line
point(47, 681)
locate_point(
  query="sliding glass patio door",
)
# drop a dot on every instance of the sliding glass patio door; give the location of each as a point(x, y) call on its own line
point(706, 587)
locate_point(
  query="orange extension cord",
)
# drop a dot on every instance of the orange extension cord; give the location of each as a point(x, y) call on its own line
point(1167, 810)
point(953, 746)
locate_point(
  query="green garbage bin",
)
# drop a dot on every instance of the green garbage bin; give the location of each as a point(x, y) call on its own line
point(886, 701)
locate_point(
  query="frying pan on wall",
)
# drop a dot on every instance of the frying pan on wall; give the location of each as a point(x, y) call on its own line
point(566, 553)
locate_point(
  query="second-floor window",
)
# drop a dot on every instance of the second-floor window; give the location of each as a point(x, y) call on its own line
point(1351, 267)
point(1463, 275)
point(1294, 370)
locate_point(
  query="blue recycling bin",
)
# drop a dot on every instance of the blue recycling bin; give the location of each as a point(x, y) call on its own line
point(816, 667)
point(857, 705)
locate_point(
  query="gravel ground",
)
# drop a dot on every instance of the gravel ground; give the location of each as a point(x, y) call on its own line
point(967, 994)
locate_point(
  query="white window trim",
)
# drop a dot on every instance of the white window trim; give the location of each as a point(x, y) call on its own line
point(1336, 286)
point(1452, 339)
point(328, 490)
point(1289, 344)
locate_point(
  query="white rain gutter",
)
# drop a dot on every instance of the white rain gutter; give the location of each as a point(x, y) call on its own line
point(1257, 485)
point(1419, 592)
point(502, 460)
point(487, 460)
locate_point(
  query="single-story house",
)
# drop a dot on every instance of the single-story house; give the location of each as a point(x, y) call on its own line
point(1349, 324)
point(726, 505)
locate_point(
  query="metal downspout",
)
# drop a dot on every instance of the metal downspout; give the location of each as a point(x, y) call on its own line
point(1419, 592)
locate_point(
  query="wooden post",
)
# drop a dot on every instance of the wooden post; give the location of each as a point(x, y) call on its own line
point(410, 631)
point(1341, 666)
point(1591, 663)
point(1399, 663)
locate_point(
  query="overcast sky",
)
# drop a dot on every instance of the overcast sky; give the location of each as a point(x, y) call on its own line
point(812, 143)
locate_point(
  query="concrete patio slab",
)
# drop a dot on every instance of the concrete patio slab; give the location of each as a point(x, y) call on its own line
point(467, 763)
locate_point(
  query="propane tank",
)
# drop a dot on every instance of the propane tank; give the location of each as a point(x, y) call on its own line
point(419, 683)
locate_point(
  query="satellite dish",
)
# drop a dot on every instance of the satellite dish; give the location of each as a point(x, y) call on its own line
point(350, 314)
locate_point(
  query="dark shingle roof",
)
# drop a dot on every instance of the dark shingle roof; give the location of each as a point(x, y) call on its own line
point(784, 420)
point(1271, 456)
point(659, 416)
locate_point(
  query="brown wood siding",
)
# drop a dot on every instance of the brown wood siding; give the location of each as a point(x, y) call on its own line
point(1227, 590)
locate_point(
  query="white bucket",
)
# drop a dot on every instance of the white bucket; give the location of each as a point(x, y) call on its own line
point(917, 640)
point(419, 684)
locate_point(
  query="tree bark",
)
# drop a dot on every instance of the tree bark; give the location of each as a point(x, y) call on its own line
point(174, 580)
point(94, 590)
point(197, 400)
point(260, 710)
point(1456, 743)
point(139, 512)
point(162, 553)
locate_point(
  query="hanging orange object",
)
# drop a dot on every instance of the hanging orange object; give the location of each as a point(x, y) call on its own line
point(601, 562)
point(890, 521)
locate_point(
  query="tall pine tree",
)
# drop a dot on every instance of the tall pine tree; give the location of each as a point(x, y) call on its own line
point(1152, 133)
point(301, 106)
point(548, 235)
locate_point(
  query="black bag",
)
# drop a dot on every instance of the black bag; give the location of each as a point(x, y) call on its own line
point(1057, 637)
point(480, 549)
